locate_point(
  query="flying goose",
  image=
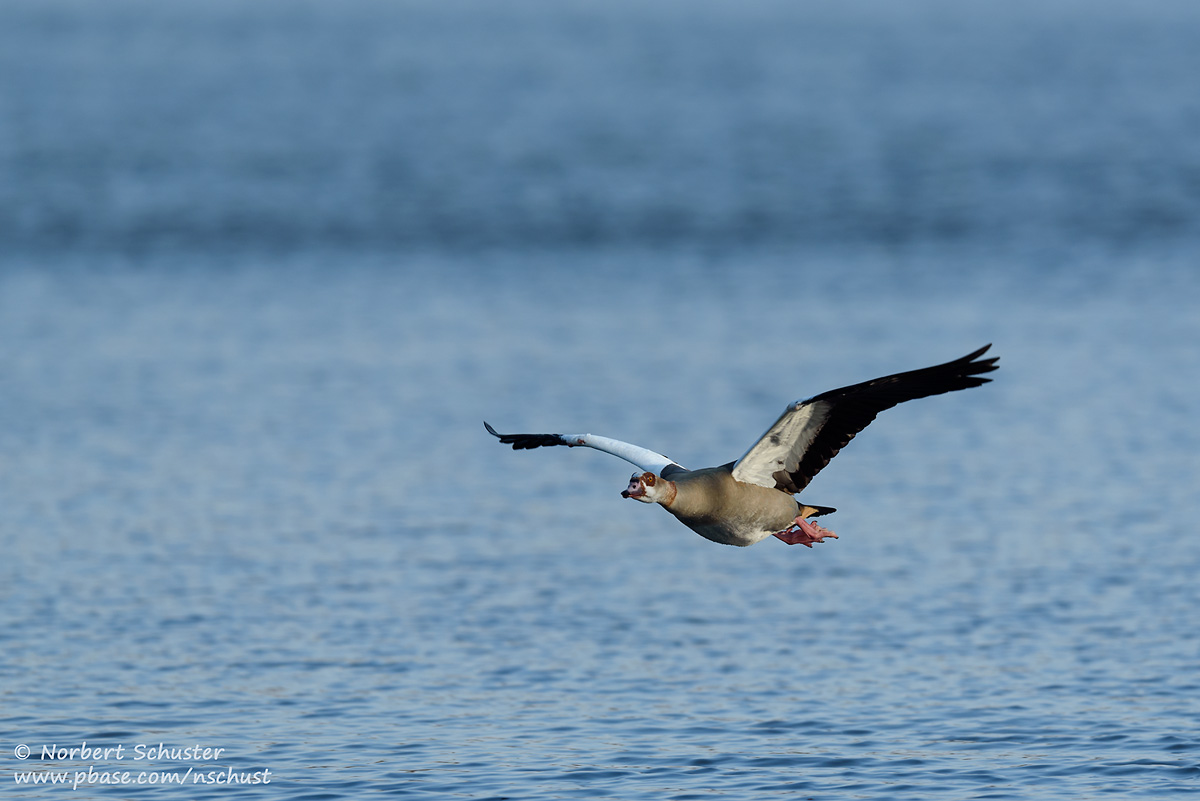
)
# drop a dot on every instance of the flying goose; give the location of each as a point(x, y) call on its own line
point(745, 501)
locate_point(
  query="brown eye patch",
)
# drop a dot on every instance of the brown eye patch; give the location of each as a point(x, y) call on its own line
point(649, 479)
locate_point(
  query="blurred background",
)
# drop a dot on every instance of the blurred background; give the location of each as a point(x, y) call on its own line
point(265, 268)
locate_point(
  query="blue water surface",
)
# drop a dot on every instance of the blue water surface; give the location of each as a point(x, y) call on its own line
point(267, 268)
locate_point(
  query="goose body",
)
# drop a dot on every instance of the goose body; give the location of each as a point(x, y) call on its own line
point(752, 498)
point(712, 503)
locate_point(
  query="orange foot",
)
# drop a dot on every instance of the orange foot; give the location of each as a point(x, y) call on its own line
point(804, 533)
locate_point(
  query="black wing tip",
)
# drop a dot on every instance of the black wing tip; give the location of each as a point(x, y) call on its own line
point(523, 442)
point(965, 373)
point(967, 369)
point(506, 439)
point(978, 365)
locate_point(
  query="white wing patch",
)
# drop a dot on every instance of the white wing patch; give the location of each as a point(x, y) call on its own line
point(784, 444)
point(642, 457)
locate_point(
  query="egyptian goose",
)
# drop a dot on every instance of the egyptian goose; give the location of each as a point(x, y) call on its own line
point(743, 502)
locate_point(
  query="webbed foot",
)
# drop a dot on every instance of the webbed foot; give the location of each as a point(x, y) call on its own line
point(804, 533)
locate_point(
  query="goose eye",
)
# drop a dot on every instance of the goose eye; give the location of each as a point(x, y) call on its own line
point(649, 479)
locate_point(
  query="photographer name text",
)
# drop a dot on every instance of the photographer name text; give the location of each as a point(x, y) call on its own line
point(141, 751)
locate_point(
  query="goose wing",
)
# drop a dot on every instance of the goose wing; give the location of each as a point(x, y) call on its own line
point(811, 432)
point(644, 458)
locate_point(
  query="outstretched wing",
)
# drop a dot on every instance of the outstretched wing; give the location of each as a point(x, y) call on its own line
point(811, 432)
point(642, 457)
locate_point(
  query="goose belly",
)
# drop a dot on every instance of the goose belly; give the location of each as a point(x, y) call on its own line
point(725, 534)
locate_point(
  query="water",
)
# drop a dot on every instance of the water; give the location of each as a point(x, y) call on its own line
point(267, 269)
